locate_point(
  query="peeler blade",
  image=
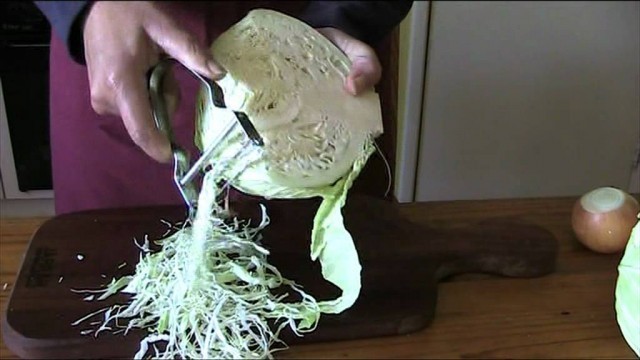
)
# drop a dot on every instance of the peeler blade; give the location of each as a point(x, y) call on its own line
point(217, 99)
point(187, 189)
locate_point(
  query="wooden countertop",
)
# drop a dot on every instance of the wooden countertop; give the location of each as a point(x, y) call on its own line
point(568, 314)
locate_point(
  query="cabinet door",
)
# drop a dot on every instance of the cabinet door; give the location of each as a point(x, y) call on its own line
point(527, 99)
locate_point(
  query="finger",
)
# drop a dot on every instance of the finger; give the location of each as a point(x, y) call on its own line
point(184, 47)
point(100, 94)
point(365, 73)
point(366, 70)
point(171, 92)
point(133, 102)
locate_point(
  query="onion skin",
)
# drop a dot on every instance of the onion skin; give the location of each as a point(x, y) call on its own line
point(605, 231)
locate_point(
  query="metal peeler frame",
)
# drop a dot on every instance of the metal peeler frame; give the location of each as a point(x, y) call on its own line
point(183, 172)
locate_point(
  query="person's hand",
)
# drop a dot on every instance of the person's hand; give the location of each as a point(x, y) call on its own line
point(365, 69)
point(122, 42)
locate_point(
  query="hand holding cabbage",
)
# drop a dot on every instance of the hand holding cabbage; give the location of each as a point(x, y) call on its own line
point(123, 40)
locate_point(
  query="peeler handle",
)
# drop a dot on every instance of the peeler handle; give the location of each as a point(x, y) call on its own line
point(158, 103)
point(161, 118)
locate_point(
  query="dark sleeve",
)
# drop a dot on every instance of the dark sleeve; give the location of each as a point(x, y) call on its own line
point(368, 21)
point(66, 19)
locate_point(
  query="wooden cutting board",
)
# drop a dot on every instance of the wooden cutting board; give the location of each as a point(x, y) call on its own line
point(402, 265)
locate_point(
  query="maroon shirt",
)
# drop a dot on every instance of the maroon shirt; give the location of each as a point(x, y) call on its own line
point(95, 162)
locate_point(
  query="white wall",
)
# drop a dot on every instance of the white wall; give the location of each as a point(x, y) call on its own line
point(14, 208)
point(528, 99)
point(412, 63)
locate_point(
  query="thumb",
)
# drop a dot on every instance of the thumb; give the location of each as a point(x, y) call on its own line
point(184, 47)
point(364, 74)
point(365, 70)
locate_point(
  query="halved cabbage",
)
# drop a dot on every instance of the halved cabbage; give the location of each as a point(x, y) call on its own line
point(288, 79)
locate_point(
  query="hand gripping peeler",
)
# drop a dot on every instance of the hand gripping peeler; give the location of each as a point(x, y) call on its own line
point(184, 172)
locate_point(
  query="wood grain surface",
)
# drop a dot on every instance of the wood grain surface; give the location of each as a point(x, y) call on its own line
point(567, 314)
point(402, 264)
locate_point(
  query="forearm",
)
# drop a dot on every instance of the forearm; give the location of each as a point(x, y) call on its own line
point(368, 21)
point(66, 19)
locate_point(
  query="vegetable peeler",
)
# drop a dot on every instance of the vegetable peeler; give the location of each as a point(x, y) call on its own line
point(184, 172)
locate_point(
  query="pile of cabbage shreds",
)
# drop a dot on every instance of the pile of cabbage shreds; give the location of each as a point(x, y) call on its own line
point(209, 291)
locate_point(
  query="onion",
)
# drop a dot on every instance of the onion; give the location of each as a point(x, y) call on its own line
point(602, 219)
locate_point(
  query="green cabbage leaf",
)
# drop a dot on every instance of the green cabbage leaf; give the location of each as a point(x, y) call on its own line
point(627, 291)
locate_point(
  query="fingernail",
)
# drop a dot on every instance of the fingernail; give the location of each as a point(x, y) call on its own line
point(216, 70)
point(348, 86)
point(359, 84)
point(354, 85)
point(163, 155)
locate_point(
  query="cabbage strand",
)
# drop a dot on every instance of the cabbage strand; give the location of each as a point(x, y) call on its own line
point(208, 292)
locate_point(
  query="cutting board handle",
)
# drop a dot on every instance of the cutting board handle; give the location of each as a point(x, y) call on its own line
point(500, 246)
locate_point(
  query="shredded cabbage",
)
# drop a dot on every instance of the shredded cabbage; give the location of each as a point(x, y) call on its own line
point(208, 293)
